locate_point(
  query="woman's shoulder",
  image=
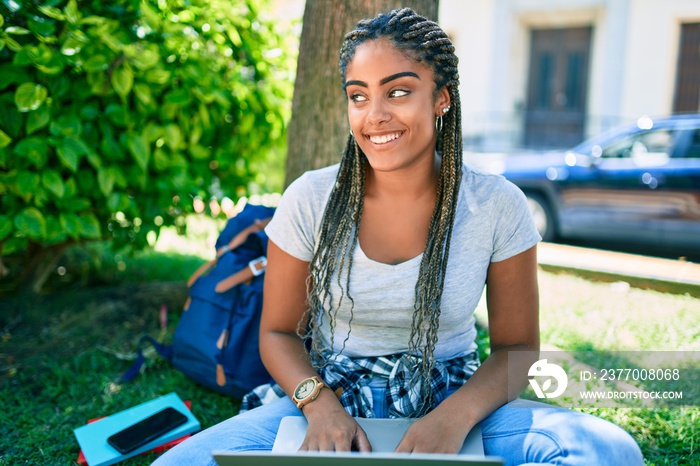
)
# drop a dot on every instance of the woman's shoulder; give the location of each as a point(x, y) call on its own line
point(486, 185)
point(319, 179)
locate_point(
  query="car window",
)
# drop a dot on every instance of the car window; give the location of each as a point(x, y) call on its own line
point(694, 147)
point(647, 149)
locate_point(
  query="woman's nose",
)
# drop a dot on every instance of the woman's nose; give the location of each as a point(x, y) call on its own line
point(378, 112)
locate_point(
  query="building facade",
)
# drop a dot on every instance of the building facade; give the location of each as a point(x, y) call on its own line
point(548, 73)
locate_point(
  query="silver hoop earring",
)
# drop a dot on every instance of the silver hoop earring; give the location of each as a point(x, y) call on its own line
point(438, 124)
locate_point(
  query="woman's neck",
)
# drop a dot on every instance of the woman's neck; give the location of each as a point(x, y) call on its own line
point(412, 182)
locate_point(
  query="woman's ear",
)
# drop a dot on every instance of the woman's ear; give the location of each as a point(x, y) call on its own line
point(442, 101)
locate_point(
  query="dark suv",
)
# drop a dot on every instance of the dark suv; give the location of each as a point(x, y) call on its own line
point(637, 184)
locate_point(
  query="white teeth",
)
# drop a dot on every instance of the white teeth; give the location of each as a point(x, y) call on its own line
point(384, 138)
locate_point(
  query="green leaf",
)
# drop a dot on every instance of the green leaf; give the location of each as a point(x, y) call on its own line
point(60, 85)
point(52, 181)
point(69, 152)
point(29, 96)
point(96, 63)
point(158, 76)
point(90, 226)
point(2, 21)
point(18, 31)
point(38, 119)
point(52, 12)
point(118, 175)
point(11, 74)
point(161, 161)
point(70, 189)
point(31, 222)
point(139, 149)
point(70, 223)
point(105, 180)
point(11, 119)
point(122, 80)
point(143, 93)
point(67, 124)
point(14, 245)
point(39, 55)
point(234, 36)
point(118, 202)
point(5, 226)
point(150, 16)
point(116, 114)
point(178, 97)
point(54, 231)
point(34, 149)
point(145, 59)
point(41, 26)
point(199, 152)
point(5, 140)
point(76, 205)
point(71, 46)
point(12, 44)
point(27, 184)
point(173, 137)
point(71, 12)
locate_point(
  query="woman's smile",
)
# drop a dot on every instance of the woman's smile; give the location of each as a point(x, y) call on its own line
point(381, 139)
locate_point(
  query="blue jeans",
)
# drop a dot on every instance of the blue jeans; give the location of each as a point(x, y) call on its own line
point(521, 432)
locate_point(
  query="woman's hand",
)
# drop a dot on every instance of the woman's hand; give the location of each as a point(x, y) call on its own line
point(331, 428)
point(433, 434)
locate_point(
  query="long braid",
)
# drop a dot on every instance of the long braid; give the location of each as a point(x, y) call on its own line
point(338, 228)
point(422, 40)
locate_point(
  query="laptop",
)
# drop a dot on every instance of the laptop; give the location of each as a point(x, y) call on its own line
point(384, 435)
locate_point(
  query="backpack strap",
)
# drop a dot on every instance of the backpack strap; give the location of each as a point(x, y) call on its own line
point(240, 238)
point(255, 267)
point(236, 241)
point(164, 351)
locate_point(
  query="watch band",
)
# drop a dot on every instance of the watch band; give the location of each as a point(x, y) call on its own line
point(307, 391)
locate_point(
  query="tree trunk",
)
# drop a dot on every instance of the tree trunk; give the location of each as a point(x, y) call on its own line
point(319, 126)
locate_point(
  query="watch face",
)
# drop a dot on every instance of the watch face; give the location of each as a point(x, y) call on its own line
point(305, 389)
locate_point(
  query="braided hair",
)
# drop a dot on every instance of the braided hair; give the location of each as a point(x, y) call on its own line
point(425, 42)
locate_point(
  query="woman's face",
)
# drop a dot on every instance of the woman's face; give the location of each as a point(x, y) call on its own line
point(392, 107)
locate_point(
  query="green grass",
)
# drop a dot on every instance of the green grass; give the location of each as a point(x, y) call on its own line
point(61, 353)
point(585, 316)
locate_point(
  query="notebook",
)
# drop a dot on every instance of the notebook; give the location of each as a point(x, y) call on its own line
point(384, 435)
point(93, 437)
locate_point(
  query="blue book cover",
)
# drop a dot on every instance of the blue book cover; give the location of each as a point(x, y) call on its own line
point(93, 437)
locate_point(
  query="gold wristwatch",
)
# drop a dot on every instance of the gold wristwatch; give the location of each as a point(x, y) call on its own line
point(307, 391)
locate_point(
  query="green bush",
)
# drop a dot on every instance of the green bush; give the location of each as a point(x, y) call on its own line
point(115, 115)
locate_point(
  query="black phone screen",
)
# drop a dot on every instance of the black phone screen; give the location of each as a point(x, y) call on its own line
point(149, 429)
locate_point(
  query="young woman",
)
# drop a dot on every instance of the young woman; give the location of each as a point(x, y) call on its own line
point(377, 264)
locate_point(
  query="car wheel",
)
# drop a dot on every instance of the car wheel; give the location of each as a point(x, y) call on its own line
point(542, 215)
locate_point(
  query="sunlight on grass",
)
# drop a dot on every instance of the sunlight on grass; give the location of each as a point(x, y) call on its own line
point(580, 314)
point(201, 236)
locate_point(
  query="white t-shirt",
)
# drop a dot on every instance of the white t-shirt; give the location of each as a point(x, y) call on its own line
point(492, 223)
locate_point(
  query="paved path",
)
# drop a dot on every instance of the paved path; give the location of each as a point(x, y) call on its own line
point(620, 264)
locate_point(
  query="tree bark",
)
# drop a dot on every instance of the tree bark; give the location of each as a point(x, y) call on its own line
point(318, 128)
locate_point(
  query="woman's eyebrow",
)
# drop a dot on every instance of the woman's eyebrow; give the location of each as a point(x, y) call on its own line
point(383, 80)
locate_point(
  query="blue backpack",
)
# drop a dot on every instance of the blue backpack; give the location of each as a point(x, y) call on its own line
point(216, 341)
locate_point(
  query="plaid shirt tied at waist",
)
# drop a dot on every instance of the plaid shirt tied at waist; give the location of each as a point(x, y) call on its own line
point(351, 377)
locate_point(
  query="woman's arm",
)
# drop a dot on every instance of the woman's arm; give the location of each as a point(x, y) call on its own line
point(286, 359)
point(513, 309)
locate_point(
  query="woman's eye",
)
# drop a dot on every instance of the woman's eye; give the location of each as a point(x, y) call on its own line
point(357, 98)
point(399, 93)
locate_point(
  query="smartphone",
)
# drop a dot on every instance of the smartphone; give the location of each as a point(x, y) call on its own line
point(147, 430)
